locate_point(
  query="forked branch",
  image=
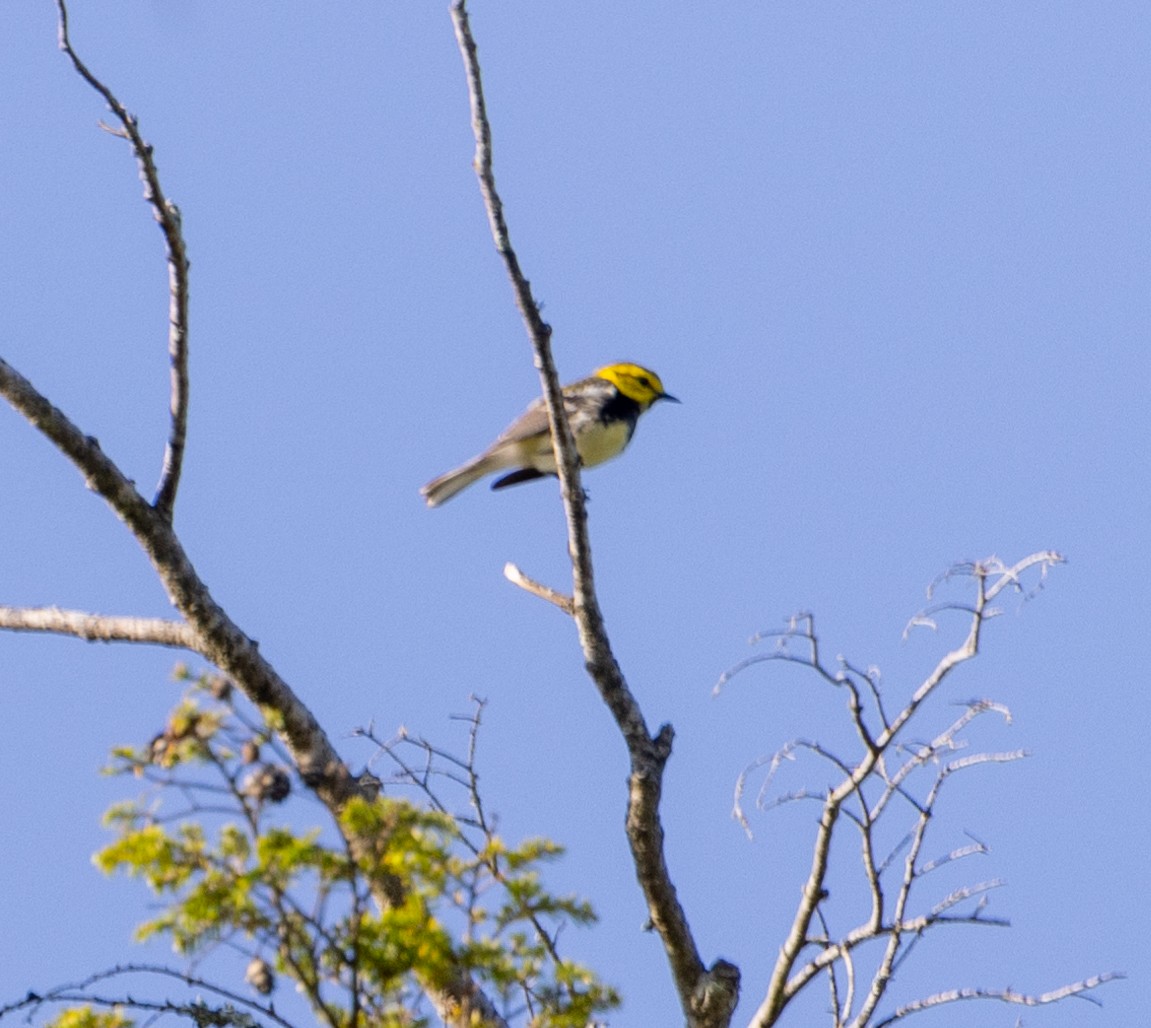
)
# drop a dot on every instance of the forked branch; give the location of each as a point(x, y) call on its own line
point(213, 634)
point(881, 773)
point(167, 215)
point(207, 627)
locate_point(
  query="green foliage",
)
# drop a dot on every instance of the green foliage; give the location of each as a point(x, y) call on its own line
point(86, 1017)
point(395, 898)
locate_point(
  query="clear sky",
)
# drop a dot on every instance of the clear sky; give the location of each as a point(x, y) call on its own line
point(894, 259)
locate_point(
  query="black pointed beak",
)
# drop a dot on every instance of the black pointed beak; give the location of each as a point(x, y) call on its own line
point(669, 398)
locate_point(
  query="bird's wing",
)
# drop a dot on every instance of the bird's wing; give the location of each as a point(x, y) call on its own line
point(532, 422)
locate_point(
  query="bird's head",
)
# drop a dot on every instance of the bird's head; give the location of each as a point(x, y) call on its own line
point(636, 383)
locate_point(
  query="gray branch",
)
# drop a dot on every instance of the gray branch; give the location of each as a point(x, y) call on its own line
point(889, 921)
point(167, 215)
point(1080, 989)
point(97, 627)
point(708, 995)
point(458, 999)
point(212, 633)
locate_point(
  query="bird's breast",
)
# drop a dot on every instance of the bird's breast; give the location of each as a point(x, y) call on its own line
point(602, 441)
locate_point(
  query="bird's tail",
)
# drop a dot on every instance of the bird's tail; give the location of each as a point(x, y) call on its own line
point(440, 490)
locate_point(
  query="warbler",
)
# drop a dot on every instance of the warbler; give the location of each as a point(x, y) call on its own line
point(602, 411)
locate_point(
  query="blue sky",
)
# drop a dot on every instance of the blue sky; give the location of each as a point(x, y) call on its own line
point(893, 258)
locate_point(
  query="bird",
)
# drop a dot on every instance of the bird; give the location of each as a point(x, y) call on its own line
point(602, 411)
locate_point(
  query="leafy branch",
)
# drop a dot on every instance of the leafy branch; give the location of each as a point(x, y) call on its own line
point(297, 905)
point(204, 627)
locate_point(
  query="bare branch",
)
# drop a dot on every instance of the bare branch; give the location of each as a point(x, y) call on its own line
point(708, 996)
point(901, 925)
point(167, 215)
point(774, 762)
point(514, 575)
point(961, 895)
point(945, 741)
point(974, 848)
point(889, 917)
point(800, 626)
point(214, 635)
point(79, 993)
point(1010, 577)
point(1080, 989)
point(843, 948)
point(839, 1008)
point(97, 627)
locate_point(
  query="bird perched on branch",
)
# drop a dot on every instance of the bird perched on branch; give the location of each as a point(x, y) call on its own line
point(602, 411)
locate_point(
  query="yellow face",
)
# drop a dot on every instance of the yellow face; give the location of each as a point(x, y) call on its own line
point(635, 382)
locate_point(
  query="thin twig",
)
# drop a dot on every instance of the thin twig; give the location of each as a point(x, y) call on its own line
point(1080, 989)
point(514, 575)
point(77, 993)
point(167, 215)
